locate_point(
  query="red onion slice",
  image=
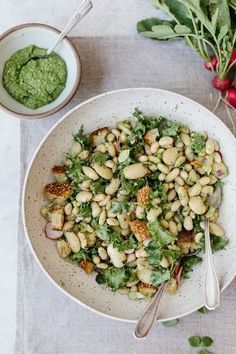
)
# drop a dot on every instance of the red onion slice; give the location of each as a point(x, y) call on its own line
point(51, 233)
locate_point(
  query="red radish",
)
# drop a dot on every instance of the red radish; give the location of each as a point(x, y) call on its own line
point(221, 84)
point(211, 65)
point(178, 273)
point(233, 58)
point(234, 83)
point(230, 97)
point(52, 234)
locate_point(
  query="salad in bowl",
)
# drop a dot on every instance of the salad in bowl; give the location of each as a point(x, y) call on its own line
point(129, 202)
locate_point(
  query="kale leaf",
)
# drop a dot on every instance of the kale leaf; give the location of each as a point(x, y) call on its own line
point(198, 142)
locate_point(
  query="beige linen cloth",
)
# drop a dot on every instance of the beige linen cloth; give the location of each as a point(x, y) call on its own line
point(47, 321)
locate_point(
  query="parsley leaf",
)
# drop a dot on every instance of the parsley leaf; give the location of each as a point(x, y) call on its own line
point(198, 142)
point(159, 276)
point(188, 263)
point(85, 210)
point(161, 236)
point(82, 255)
point(75, 172)
point(99, 158)
point(115, 278)
point(168, 127)
point(218, 243)
point(195, 341)
point(83, 139)
point(171, 323)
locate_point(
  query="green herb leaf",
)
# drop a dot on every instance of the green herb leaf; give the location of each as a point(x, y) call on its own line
point(161, 236)
point(218, 243)
point(99, 158)
point(171, 323)
point(159, 276)
point(169, 128)
point(198, 142)
point(115, 278)
point(82, 255)
point(188, 263)
point(195, 341)
point(202, 310)
point(206, 341)
point(147, 24)
point(204, 351)
point(85, 210)
point(98, 186)
point(83, 139)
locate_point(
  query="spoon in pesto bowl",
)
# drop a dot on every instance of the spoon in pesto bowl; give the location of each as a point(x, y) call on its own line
point(79, 13)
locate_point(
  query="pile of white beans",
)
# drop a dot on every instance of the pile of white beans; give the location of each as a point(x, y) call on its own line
point(188, 181)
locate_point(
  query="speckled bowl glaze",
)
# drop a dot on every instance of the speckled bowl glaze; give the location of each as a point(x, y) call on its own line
point(42, 36)
point(105, 110)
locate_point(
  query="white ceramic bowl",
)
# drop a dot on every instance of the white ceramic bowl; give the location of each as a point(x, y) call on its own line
point(42, 36)
point(105, 110)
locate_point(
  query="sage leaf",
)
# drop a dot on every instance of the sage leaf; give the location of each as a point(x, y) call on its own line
point(195, 341)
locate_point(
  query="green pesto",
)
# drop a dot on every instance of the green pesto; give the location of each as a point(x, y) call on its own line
point(34, 83)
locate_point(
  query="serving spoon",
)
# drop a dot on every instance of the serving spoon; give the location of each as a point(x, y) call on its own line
point(211, 287)
point(79, 13)
point(150, 314)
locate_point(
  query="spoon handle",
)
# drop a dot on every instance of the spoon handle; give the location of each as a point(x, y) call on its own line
point(79, 13)
point(211, 286)
point(149, 316)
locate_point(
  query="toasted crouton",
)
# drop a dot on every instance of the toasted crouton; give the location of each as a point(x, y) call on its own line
point(146, 289)
point(172, 286)
point(140, 230)
point(143, 195)
point(63, 248)
point(57, 219)
point(87, 266)
point(99, 135)
point(58, 192)
point(184, 241)
point(59, 172)
point(150, 136)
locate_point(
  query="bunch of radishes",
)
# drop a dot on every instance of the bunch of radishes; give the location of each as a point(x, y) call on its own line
point(225, 84)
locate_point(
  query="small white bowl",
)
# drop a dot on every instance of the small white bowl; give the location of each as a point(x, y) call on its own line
point(42, 36)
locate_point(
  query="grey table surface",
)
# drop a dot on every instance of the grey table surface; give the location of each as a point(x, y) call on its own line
point(47, 321)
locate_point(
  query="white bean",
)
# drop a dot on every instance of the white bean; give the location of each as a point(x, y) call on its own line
point(204, 180)
point(101, 148)
point(166, 142)
point(140, 252)
point(143, 158)
point(170, 156)
point(210, 146)
point(180, 160)
point(183, 196)
point(153, 159)
point(84, 154)
point(179, 180)
point(216, 230)
point(176, 205)
point(84, 197)
point(103, 171)
point(197, 205)
point(102, 253)
point(68, 208)
point(73, 241)
point(113, 186)
point(96, 210)
point(162, 176)
point(140, 212)
point(172, 175)
point(163, 168)
point(96, 259)
point(76, 148)
point(164, 262)
point(117, 258)
point(102, 265)
point(173, 228)
point(130, 258)
point(185, 139)
point(184, 174)
point(111, 149)
point(189, 154)
point(112, 222)
point(102, 217)
point(90, 173)
point(83, 239)
point(68, 225)
point(99, 197)
point(110, 137)
point(154, 147)
point(171, 195)
point(188, 223)
point(198, 237)
point(105, 200)
point(135, 171)
point(195, 190)
point(153, 214)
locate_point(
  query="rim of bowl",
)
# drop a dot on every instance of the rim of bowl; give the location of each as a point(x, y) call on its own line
point(76, 84)
point(65, 292)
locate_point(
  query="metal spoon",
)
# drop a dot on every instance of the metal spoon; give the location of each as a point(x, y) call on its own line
point(79, 13)
point(211, 288)
point(150, 314)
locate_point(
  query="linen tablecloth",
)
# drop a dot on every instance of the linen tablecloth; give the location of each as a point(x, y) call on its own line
point(47, 321)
